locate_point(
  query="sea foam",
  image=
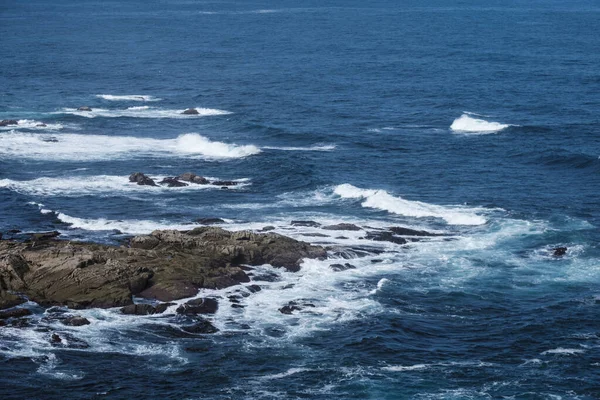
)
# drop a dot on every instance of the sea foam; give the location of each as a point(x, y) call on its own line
point(142, 112)
point(128, 97)
point(67, 147)
point(382, 200)
point(32, 124)
point(466, 123)
point(102, 185)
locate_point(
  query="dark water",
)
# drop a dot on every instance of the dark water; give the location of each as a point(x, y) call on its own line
point(475, 119)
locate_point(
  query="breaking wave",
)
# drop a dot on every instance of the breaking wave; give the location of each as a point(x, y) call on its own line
point(142, 112)
point(466, 123)
point(326, 147)
point(32, 124)
point(382, 200)
point(104, 185)
point(75, 147)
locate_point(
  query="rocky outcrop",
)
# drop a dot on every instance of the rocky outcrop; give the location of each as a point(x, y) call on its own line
point(190, 111)
point(559, 251)
point(141, 179)
point(172, 182)
point(84, 108)
point(165, 265)
point(7, 122)
point(15, 313)
point(76, 320)
point(8, 300)
point(193, 178)
point(199, 306)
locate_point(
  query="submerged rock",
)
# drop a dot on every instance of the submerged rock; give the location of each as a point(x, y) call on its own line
point(210, 221)
point(312, 224)
point(200, 327)
point(84, 108)
point(385, 237)
point(398, 230)
point(190, 111)
point(141, 179)
point(294, 306)
point(6, 122)
point(341, 267)
point(165, 265)
point(224, 183)
point(343, 227)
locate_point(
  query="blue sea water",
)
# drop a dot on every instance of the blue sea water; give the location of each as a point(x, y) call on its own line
point(477, 120)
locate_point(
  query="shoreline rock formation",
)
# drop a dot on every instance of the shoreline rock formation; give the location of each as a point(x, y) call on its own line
point(164, 265)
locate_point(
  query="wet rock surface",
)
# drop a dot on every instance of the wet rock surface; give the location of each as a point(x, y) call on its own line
point(165, 265)
point(141, 179)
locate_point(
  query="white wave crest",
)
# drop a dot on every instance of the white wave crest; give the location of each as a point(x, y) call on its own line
point(467, 124)
point(380, 199)
point(74, 147)
point(32, 124)
point(192, 143)
point(564, 351)
point(401, 368)
point(128, 97)
point(137, 227)
point(141, 112)
point(104, 185)
point(327, 147)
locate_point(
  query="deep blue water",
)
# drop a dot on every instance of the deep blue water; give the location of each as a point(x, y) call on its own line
point(475, 119)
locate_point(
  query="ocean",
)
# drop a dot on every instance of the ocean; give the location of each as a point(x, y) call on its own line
point(474, 120)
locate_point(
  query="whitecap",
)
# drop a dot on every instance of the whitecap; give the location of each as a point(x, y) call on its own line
point(32, 124)
point(327, 147)
point(128, 97)
point(382, 200)
point(75, 147)
point(142, 112)
point(467, 124)
point(402, 368)
point(135, 226)
point(289, 372)
point(102, 185)
point(564, 351)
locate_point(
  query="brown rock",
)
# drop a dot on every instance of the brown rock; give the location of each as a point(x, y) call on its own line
point(190, 111)
point(165, 265)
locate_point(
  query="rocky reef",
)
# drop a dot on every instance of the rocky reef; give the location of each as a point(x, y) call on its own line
point(164, 265)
